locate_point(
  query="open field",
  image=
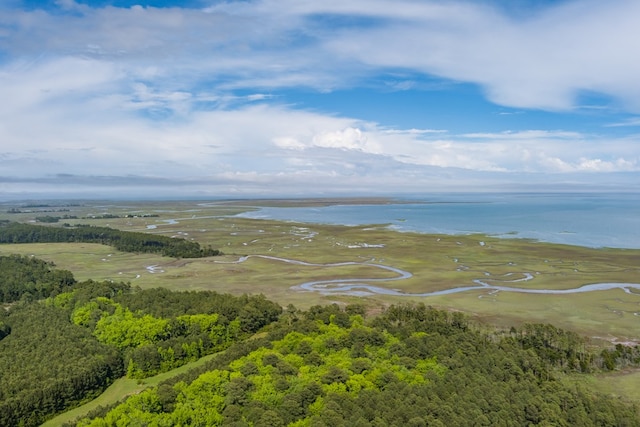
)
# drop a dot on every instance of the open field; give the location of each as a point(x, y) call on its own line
point(623, 385)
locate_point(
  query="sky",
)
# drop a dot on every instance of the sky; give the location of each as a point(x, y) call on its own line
point(294, 98)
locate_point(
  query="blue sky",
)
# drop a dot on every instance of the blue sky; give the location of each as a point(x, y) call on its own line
point(271, 98)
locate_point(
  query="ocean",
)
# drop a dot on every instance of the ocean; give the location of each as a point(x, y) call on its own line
point(591, 220)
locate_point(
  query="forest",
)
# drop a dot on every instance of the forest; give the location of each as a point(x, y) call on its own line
point(326, 366)
point(31, 278)
point(58, 351)
point(126, 241)
point(331, 367)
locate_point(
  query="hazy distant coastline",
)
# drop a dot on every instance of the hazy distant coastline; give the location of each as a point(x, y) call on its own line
point(590, 220)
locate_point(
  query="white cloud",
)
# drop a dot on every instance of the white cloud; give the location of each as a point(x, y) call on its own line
point(634, 121)
point(39, 84)
point(543, 61)
point(348, 139)
point(524, 135)
point(599, 165)
point(150, 92)
point(265, 139)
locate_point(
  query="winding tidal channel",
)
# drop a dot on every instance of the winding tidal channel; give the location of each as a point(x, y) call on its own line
point(361, 286)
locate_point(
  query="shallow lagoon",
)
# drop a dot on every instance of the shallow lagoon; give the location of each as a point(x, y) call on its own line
point(591, 220)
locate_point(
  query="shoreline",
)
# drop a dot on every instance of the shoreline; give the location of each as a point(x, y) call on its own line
point(571, 224)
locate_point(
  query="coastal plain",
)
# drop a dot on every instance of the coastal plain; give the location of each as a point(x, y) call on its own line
point(274, 258)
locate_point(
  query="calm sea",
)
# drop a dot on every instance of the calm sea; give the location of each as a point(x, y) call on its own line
point(593, 220)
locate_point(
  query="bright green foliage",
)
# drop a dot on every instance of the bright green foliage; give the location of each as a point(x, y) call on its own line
point(62, 300)
point(411, 366)
point(198, 404)
point(57, 352)
point(123, 329)
point(284, 385)
point(142, 410)
point(201, 402)
point(155, 333)
point(87, 314)
point(204, 323)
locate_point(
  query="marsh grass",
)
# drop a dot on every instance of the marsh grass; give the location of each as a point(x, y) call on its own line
point(437, 262)
point(620, 385)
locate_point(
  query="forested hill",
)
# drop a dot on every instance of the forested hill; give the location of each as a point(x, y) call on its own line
point(411, 366)
point(126, 241)
point(331, 366)
point(57, 352)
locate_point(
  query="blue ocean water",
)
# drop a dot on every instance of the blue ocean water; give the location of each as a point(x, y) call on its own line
point(592, 220)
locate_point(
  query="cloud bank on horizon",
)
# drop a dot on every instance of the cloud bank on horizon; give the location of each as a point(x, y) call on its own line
point(299, 97)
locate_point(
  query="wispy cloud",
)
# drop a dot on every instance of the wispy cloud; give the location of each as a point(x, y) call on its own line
point(634, 121)
point(543, 61)
point(195, 96)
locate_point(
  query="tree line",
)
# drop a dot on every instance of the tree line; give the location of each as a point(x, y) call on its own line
point(31, 278)
point(126, 241)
